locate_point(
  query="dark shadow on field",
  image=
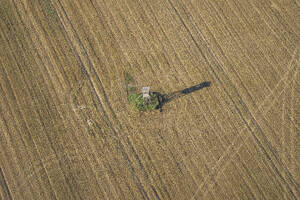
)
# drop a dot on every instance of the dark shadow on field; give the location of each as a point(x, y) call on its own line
point(166, 98)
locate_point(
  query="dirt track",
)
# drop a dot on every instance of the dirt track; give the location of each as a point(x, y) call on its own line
point(67, 131)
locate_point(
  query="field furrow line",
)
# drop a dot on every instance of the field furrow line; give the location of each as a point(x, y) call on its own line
point(270, 13)
point(282, 7)
point(15, 112)
point(277, 91)
point(228, 151)
point(111, 54)
point(293, 146)
point(182, 63)
point(70, 132)
point(215, 122)
point(65, 20)
point(276, 162)
point(144, 35)
point(3, 181)
point(257, 50)
point(165, 41)
point(209, 109)
point(25, 141)
point(93, 145)
point(231, 151)
point(141, 166)
point(31, 140)
point(245, 183)
point(84, 81)
point(50, 87)
point(288, 28)
point(149, 64)
point(129, 58)
point(93, 74)
point(201, 38)
point(238, 76)
point(275, 167)
point(75, 90)
point(43, 41)
point(43, 125)
point(139, 56)
point(66, 75)
point(235, 36)
point(116, 30)
point(179, 60)
point(59, 110)
point(240, 11)
point(11, 170)
point(285, 137)
point(19, 106)
point(260, 194)
point(214, 39)
point(89, 63)
point(83, 132)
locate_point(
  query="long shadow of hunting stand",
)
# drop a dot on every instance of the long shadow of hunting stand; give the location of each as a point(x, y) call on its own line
point(166, 98)
point(163, 98)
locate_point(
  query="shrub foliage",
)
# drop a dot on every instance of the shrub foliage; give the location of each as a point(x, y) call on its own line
point(139, 103)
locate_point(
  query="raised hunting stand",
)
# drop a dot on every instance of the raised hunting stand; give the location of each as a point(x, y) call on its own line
point(146, 94)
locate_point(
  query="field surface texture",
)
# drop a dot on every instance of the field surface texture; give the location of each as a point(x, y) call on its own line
point(67, 130)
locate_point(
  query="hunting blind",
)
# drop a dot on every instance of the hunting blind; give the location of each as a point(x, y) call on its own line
point(146, 94)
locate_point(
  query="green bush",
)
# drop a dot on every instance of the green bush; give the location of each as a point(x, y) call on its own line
point(132, 89)
point(139, 103)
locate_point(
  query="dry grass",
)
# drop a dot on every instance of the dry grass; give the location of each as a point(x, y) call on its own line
point(68, 132)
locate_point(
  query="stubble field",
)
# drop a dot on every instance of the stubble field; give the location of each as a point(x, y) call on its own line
point(68, 132)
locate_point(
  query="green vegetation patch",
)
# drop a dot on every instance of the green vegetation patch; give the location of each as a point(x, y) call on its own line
point(139, 103)
point(132, 89)
point(129, 78)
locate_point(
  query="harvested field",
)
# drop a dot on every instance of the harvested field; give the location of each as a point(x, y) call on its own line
point(68, 132)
